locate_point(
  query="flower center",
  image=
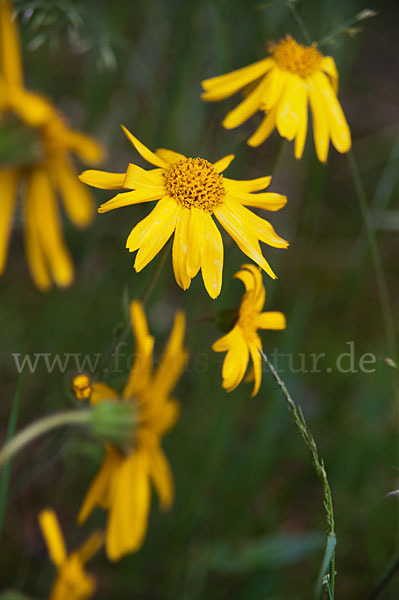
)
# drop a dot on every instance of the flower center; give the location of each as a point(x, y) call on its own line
point(194, 183)
point(295, 58)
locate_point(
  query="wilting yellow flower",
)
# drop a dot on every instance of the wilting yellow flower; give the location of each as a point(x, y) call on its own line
point(122, 486)
point(49, 169)
point(243, 340)
point(283, 85)
point(72, 581)
point(189, 192)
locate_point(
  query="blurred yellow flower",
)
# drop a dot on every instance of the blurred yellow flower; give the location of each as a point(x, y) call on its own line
point(49, 170)
point(122, 485)
point(81, 386)
point(72, 582)
point(190, 191)
point(282, 86)
point(243, 340)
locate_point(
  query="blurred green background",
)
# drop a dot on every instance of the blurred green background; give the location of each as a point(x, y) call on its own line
point(248, 520)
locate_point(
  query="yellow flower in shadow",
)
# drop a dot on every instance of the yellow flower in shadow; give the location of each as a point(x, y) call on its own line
point(72, 582)
point(243, 340)
point(48, 171)
point(190, 192)
point(122, 485)
point(282, 86)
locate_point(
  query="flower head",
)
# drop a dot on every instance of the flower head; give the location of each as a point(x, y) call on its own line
point(243, 340)
point(190, 192)
point(45, 171)
point(284, 84)
point(81, 386)
point(72, 581)
point(122, 485)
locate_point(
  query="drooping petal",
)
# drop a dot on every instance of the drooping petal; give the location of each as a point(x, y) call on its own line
point(262, 229)
point(180, 248)
point(328, 66)
point(272, 93)
point(103, 180)
point(161, 413)
point(265, 128)
point(248, 107)
point(161, 218)
point(235, 362)
point(321, 131)
point(41, 197)
point(128, 198)
point(128, 516)
point(212, 258)
point(271, 320)
point(161, 475)
point(98, 493)
point(8, 187)
point(287, 117)
point(144, 151)
point(53, 535)
point(196, 240)
point(257, 364)
point(302, 108)
point(100, 392)
point(34, 250)
point(10, 55)
point(169, 156)
point(242, 235)
point(138, 178)
point(222, 164)
point(86, 147)
point(173, 360)
point(338, 126)
point(77, 199)
point(226, 85)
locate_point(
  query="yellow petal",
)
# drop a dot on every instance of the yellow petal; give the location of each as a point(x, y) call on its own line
point(128, 198)
point(173, 360)
point(262, 229)
point(34, 250)
point(40, 195)
point(161, 474)
point(257, 364)
point(235, 362)
point(248, 107)
point(8, 186)
point(127, 523)
point(139, 178)
point(265, 128)
point(140, 371)
point(250, 185)
point(287, 118)
point(212, 259)
point(267, 201)
point(276, 82)
point(302, 108)
point(90, 547)
point(226, 85)
point(271, 320)
point(144, 151)
point(86, 147)
point(180, 248)
point(10, 56)
point(52, 534)
point(160, 221)
point(339, 130)
point(99, 490)
point(169, 156)
point(101, 391)
point(242, 235)
point(328, 66)
point(196, 240)
point(103, 180)
point(77, 199)
point(223, 163)
point(321, 132)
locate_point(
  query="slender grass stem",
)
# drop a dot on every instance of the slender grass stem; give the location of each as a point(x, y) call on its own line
point(38, 428)
point(300, 422)
point(300, 21)
point(387, 315)
point(364, 14)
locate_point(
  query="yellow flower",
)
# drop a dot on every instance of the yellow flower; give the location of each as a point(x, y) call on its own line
point(122, 485)
point(283, 85)
point(49, 170)
point(243, 340)
point(72, 582)
point(81, 386)
point(190, 191)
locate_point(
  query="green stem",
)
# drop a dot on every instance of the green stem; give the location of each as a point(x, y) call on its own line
point(300, 21)
point(34, 430)
point(364, 14)
point(318, 464)
point(389, 324)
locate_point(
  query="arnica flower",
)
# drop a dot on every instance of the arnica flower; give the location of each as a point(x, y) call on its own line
point(282, 85)
point(190, 191)
point(43, 172)
point(243, 340)
point(72, 582)
point(122, 485)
